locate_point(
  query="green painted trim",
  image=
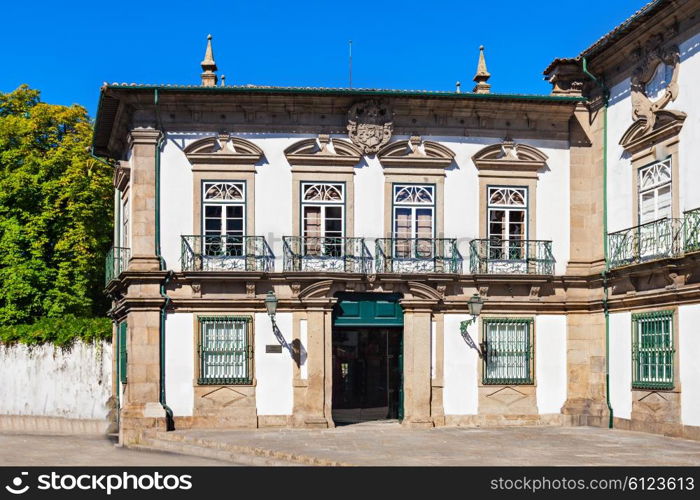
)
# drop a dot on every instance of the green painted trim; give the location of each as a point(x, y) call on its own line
point(658, 317)
point(666, 314)
point(343, 91)
point(366, 311)
point(248, 319)
point(122, 352)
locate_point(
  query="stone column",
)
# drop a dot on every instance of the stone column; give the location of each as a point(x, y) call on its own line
point(585, 345)
point(416, 364)
point(142, 199)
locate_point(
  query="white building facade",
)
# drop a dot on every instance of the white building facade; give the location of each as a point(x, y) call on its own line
point(366, 220)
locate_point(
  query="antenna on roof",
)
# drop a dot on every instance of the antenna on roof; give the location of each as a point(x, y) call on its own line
point(350, 64)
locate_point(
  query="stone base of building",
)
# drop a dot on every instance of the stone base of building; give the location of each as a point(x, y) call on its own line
point(36, 424)
point(665, 428)
point(503, 420)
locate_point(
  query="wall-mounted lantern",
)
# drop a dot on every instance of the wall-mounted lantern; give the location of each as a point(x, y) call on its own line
point(475, 303)
point(271, 305)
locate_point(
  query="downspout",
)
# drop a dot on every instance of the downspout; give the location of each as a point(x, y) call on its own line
point(606, 98)
point(169, 419)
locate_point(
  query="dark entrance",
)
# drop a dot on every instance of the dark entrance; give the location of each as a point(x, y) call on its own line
point(367, 358)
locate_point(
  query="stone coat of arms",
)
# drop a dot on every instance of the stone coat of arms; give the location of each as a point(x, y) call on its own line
point(370, 125)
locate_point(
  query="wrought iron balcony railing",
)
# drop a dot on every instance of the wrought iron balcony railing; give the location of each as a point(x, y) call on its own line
point(326, 254)
point(417, 255)
point(226, 253)
point(691, 230)
point(116, 261)
point(654, 240)
point(497, 256)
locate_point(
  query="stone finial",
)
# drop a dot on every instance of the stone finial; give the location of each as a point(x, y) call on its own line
point(482, 75)
point(209, 68)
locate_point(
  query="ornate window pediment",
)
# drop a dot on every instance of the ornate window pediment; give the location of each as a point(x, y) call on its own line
point(223, 149)
point(654, 85)
point(121, 177)
point(323, 151)
point(415, 152)
point(509, 155)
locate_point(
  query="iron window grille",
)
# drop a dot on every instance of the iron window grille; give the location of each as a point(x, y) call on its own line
point(652, 350)
point(225, 350)
point(123, 355)
point(508, 351)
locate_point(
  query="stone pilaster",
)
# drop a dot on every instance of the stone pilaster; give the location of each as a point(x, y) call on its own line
point(143, 199)
point(141, 408)
point(315, 408)
point(416, 364)
point(586, 192)
point(585, 345)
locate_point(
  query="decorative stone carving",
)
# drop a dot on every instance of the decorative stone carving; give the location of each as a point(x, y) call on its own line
point(196, 289)
point(250, 289)
point(655, 64)
point(224, 396)
point(296, 288)
point(223, 149)
point(509, 156)
point(415, 152)
point(323, 151)
point(370, 125)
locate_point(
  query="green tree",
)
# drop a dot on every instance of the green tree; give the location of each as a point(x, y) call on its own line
point(55, 211)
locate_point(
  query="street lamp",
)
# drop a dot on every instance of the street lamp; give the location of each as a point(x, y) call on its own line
point(271, 305)
point(475, 303)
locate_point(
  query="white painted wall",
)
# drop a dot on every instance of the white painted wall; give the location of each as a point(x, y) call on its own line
point(689, 101)
point(369, 201)
point(179, 363)
point(49, 381)
point(176, 198)
point(620, 175)
point(620, 364)
point(689, 363)
point(461, 393)
point(550, 362)
point(273, 371)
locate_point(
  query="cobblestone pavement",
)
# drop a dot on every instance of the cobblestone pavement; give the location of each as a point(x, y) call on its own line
point(35, 450)
point(391, 444)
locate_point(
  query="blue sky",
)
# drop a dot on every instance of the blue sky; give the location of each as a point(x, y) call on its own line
point(67, 49)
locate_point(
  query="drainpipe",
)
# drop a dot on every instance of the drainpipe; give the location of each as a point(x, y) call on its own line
point(606, 98)
point(169, 419)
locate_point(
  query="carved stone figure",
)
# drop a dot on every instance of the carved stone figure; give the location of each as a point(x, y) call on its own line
point(370, 125)
point(652, 58)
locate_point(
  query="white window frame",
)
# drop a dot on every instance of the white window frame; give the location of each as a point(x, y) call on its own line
point(510, 250)
point(654, 188)
point(211, 246)
point(317, 244)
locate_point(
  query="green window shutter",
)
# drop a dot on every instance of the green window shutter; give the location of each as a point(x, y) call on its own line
point(508, 351)
point(123, 356)
point(225, 350)
point(652, 350)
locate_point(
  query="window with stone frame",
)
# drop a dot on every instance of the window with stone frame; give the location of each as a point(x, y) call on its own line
point(507, 212)
point(508, 349)
point(223, 218)
point(323, 218)
point(413, 220)
point(653, 350)
point(225, 350)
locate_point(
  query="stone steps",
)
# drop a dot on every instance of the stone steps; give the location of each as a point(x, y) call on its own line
point(174, 442)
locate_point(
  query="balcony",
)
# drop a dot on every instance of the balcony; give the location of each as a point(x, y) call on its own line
point(116, 261)
point(417, 255)
point(497, 256)
point(654, 240)
point(659, 239)
point(226, 253)
point(326, 254)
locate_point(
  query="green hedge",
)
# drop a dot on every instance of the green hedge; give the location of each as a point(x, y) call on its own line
point(59, 331)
